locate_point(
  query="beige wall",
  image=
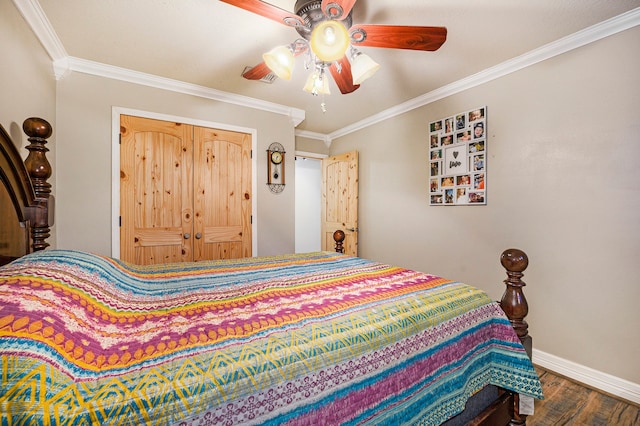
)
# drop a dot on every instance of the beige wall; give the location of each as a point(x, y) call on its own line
point(27, 83)
point(84, 157)
point(26, 74)
point(563, 184)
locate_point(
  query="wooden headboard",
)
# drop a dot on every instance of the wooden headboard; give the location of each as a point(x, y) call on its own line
point(26, 203)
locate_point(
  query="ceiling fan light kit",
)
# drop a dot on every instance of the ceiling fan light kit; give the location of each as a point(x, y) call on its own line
point(280, 60)
point(329, 40)
point(362, 66)
point(317, 84)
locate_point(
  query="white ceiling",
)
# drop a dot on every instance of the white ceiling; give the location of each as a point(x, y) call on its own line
point(208, 43)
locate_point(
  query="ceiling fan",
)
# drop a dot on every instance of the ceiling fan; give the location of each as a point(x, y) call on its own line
point(330, 41)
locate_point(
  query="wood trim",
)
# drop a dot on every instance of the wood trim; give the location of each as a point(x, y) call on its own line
point(27, 185)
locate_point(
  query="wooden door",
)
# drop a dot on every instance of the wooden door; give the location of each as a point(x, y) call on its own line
point(340, 201)
point(185, 192)
point(222, 185)
point(155, 191)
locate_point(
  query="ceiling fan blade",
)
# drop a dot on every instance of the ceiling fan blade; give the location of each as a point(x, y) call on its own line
point(268, 11)
point(343, 78)
point(337, 9)
point(257, 72)
point(398, 36)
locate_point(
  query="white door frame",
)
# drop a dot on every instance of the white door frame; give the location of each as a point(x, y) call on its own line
point(116, 112)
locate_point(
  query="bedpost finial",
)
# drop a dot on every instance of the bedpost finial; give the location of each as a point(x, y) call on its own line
point(514, 260)
point(338, 237)
point(39, 170)
point(38, 167)
point(36, 127)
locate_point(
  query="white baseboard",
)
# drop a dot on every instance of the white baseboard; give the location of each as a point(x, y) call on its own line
point(602, 381)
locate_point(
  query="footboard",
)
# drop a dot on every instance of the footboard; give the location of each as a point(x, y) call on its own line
point(505, 410)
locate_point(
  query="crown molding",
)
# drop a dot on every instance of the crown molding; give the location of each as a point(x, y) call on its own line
point(64, 64)
point(315, 135)
point(581, 38)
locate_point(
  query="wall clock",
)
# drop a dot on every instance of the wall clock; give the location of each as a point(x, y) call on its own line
point(275, 167)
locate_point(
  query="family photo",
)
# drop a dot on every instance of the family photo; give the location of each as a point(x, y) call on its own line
point(457, 158)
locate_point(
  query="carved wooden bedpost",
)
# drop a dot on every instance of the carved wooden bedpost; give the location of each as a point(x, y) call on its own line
point(515, 305)
point(39, 169)
point(513, 301)
point(338, 237)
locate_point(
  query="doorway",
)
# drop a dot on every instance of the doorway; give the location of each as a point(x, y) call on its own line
point(308, 173)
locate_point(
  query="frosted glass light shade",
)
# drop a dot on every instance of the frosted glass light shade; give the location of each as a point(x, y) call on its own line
point(329, 40)
point(317, 85)
point(363, 67)
point(280, 61)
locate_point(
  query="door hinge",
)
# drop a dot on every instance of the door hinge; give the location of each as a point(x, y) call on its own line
point(251, 220)
point(120, 221)
point(120, 138)
point(251, 154)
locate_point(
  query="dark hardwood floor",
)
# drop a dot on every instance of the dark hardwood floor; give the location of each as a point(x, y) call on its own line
point(569, 403)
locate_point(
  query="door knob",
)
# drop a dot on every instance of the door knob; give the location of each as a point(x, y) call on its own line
point(187, 235)
point(198, 235)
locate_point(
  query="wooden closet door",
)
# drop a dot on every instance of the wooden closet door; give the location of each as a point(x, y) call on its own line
point(155, 191)
point(222, 194)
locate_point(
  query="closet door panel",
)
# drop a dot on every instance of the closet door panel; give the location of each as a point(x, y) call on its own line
point(155, 188)
point(222, 194)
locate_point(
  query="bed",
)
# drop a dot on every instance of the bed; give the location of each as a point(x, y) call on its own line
point(304, 339)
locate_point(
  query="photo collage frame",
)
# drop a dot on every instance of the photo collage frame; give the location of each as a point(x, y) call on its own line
point(458, 160)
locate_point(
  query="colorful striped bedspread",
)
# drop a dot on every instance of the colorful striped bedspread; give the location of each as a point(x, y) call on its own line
point(317, 338)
